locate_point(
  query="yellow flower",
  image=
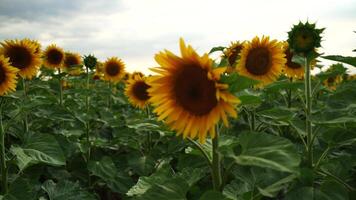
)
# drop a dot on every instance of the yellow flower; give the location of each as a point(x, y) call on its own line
point(187, 94)
point(262, 60)
point(232, 52)
point(53, 56)
point(292, 69)
point(333, 82)
point(114, 69)
point(22, 55)
point(136, 73)
point(8, 78)
point(136, 91)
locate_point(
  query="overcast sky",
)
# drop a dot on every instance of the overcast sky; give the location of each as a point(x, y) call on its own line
point(135, 30)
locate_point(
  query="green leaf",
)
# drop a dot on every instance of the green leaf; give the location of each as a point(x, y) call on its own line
point(283, 85)
point(237, 83)
point(344, 59)
point(334, 190)
point(21, 189)
point(306, 193)
point(116, 180)
point(213, 195)
point(277, 113)
point(214, 49)
point(66, 190)
point(268, 151)
point(142, 165)
point(250, 100)
point(22, 159)
point(235, 189)
point(273, 189)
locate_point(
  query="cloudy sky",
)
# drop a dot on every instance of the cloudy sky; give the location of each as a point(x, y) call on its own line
point(135, 30)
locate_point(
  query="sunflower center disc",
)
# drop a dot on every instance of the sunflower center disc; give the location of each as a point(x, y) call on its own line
point(290, 63)
point(2, 74)
point(19, 57)
point(113, 69)
point(194, 91)
point(234, 53)
point(70, 61)
point(258, 61)
point(140, 90)
point(54, 57)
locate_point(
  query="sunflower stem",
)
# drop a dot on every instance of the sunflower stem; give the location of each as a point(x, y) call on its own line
point(308, 109)
point(60, 88)
point(109, 96)
point(289, 91)
point(87, 124)
point(25, 121)
point(216, 163)
point(4, 184)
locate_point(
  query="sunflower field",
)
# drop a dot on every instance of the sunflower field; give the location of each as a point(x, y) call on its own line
point(264, 120)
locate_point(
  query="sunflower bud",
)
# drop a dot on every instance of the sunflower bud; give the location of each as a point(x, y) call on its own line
point(304, 38)
point(90, 61)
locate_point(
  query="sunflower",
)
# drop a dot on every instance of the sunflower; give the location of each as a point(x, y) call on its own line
point(304, 38)
point(8, 78)
point(53, 56)
point(136, 91)
point(22, 55)
point(332, 82)
point(37, 45)
point(292, 69)
point(187, 94)
point(232, 52)
point(136, 73)
point(114, 69)
point(262, 60)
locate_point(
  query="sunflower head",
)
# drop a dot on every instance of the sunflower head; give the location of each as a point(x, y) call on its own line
point(292, 69)
point(232, 52)
point(136, 91)
point(36, 44)
point(262, 60)
point(8, 78)
point(304, 38)
point(113, 69)
point(332, 82)
point(90, 61)
point(53, 56)
point(22, 55)
point(136, 73)
point(187, 93)
point(71, 60)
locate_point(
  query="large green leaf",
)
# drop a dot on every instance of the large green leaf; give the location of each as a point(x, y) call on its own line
point(116, 180)
point(213, 195)
point(344, 59)
point(21, 189)
point(265, 150)
point(237, 83)
point(66, 190)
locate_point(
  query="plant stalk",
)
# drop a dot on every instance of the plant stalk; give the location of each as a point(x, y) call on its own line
point(4, 176)
point(216, 163)
point(308, 109)
point(87, 127)
point(60, 88)
point(25, 121)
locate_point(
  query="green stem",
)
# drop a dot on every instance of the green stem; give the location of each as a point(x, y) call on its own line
point(289, 92)
point(216, 163)
point(205, 154)
point(308, 113)
point(321, 158)
point(87, 127)
point(253, 120)
point(109, 97)
point(4, 184)
point(25, 121)
point(60, 87)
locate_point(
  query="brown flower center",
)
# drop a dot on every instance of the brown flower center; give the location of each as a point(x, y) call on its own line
point(234, 53)
point(20, 57)
point(290, 63)
point(258, 61)
point(71, 60)
point(140, 90)
point(331, 80)
point(2, 73)
point(194, 91)
point(112, 68)
point(55, 57)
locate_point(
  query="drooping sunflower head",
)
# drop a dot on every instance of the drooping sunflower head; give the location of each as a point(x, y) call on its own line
point(332, 82)
point(262, 60)
point(136, 73)
point(232, 52)
point(53, 56)
point(292, 69)
point(114, 69)
point(71, 60)
point(187, 94)
point(22, 55)
point(90, 61)
point(8, 78)
point(136, 91)
point(304, 38)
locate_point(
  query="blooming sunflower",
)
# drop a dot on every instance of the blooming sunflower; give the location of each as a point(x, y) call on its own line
point(262, 60)
point(187, 94)
point(53, 56)
point(232, 52)
point(136, 91)
point(8, 78)
point(72, 63)
point(22, 55)
point(114, 69)
point(292, 69)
